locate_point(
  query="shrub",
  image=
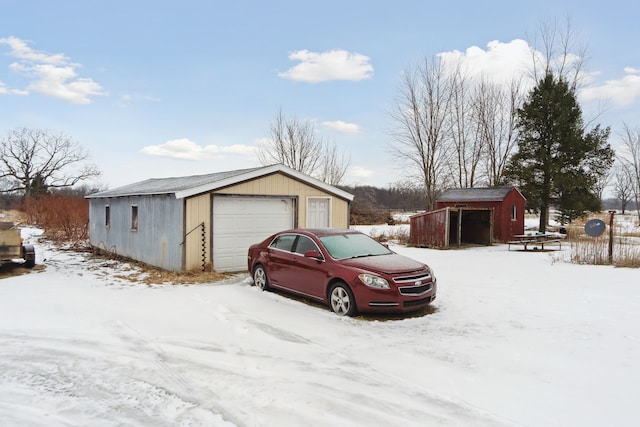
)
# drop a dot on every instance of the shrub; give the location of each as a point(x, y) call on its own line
point(64, 219)
point(399, 235)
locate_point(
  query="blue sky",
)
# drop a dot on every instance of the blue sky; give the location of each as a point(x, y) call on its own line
point(173, 88)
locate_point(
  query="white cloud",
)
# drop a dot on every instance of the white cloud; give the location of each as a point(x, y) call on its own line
point(360, 172)
point(502, 62)
point(335, 64)
point(622, 92)
point(20, 50)
point(343, 127)
point(52, 74)
point(499, 63)
point(185, 149)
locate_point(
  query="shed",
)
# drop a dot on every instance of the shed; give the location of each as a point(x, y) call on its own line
point(470, 216)
point(209, 221)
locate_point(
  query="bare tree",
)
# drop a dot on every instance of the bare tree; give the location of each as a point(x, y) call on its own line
point(294, 143)
point(33, 161)
point(623, 186)
point(495, 111)
point(421, 142)
point(465, 130)
point(334, 165)
point(630, 159)
point(556, 50)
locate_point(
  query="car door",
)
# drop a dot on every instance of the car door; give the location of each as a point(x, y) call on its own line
point(280, 257)
point(307, 274)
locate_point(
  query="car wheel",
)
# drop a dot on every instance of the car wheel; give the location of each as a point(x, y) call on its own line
point(260, 278)
point(341, 300)
point(29, 255)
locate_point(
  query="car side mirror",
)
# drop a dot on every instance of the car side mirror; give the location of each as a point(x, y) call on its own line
point(313, 254)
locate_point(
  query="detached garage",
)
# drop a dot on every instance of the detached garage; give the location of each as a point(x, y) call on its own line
point(209, 221)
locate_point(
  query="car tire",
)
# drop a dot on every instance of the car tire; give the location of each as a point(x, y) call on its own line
point(260, 278)
point(341, 300)
point(29, 256)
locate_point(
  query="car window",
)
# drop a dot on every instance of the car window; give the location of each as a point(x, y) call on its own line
point(352, 245)
point(284, 242)
point(305, 244)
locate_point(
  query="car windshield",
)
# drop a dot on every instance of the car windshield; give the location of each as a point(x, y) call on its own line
point(352, 245)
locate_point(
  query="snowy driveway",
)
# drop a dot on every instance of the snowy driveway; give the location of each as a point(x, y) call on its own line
point(513, 339)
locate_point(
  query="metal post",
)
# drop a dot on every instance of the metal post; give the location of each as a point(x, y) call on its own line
point(611, 215)
point(204, 248)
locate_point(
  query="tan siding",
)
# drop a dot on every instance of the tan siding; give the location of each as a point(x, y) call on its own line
point(281, 185)
point(198, 211)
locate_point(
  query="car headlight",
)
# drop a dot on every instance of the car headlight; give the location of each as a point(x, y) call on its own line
point(373, 281)
point(433, 275)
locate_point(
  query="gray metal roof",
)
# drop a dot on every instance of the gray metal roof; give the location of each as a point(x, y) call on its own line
point(196, 184)
point(485, 194)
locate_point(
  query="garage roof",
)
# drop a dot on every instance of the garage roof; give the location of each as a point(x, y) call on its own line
point(188, 186)
point(485, 194)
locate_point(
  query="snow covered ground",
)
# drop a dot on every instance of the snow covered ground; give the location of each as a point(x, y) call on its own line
point(514, 339)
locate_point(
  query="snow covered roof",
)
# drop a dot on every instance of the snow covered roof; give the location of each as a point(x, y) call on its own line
point(196, 184)
point(484, 194)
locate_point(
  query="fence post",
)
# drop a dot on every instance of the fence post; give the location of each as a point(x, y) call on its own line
point(611, 215)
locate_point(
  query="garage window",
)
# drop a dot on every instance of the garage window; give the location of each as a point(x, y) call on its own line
point(107, 216)
point(134, 217)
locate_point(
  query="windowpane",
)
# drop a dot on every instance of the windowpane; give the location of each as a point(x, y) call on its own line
point(134, 217)
point(284, 242)
point(305, 244)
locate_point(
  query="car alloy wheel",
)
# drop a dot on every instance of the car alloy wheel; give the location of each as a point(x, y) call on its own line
point(341, 300)
point(260, 278)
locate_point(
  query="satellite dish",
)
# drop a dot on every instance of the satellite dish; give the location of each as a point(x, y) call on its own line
point(595, 227)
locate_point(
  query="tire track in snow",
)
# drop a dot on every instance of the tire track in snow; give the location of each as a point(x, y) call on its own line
point(87, 383)
point(336, 370)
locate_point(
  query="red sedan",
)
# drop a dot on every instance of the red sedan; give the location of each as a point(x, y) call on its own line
point(346, 269)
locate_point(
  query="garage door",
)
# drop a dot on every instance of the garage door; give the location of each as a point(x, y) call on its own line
point(239, 222)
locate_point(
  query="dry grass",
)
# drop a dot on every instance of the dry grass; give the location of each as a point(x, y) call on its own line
point(138, 272)
point(401, 236)
point(595, 250)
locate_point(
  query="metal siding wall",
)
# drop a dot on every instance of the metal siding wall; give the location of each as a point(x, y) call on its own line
point(158, 238)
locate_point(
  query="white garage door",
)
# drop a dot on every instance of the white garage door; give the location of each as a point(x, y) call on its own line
point(239, 222)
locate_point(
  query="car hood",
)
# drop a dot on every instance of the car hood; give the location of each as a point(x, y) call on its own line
point(390, 264)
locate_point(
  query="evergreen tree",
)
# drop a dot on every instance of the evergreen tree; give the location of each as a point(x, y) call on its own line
point(556, 162)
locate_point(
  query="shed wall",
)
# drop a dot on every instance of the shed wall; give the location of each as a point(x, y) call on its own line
point(198, 232)
point(282, 185)
point(510, 227)
point(430, 229)
point(157, 240)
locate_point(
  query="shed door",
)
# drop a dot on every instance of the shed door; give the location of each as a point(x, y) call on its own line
point(239, 222)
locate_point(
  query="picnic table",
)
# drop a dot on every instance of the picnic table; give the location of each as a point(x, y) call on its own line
point(535, 240)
